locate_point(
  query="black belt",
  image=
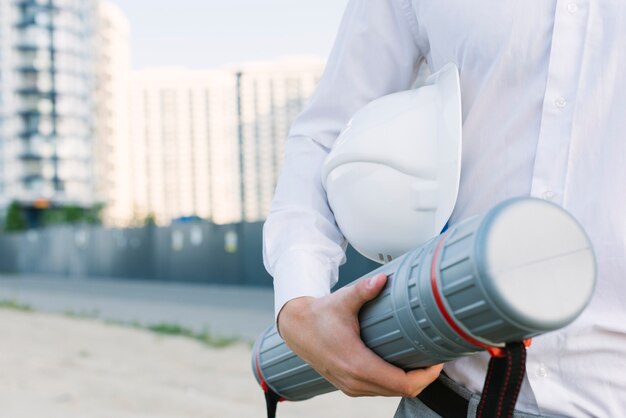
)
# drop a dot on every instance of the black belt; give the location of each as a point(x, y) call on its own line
point(444, 401)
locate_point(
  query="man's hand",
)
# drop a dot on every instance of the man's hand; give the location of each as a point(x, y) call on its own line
point(325, 333)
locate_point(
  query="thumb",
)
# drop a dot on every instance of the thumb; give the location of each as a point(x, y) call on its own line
point(365, 290)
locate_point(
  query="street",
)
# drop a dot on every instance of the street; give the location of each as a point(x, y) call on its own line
point(241, 312)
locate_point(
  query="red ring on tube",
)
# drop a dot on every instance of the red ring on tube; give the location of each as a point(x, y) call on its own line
point(262, 381)
point(493, 350)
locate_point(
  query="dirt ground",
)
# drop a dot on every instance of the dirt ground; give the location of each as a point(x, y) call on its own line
point(62, 367)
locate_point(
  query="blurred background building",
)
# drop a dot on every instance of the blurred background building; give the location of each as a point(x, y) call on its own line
point(80, 130)
point(270, 95)
point(47, 75)
point(210, 143)
point(112, 143)
point(184, 153)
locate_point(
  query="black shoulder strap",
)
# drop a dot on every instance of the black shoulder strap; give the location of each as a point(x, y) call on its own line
point(503, 382)
point(271, 401)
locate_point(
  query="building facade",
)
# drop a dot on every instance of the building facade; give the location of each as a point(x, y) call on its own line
point(46, 106)
point(184, 145)
point(270, 96)
point(211, 143)
point(112, 147)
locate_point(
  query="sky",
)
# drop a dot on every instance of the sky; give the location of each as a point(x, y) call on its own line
point(212, 33)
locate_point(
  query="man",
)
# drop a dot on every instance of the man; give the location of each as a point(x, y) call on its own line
point(543, 86)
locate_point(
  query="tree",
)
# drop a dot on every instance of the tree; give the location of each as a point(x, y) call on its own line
point(72, 214)
point(94, 214)
point(150, 220)
point(15, 219)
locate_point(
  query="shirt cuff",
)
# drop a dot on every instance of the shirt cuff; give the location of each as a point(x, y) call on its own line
point(298, 274)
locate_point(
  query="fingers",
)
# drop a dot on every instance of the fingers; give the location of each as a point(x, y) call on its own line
point(325, 333)
point(354, 297)
point(420, 378)
point(367, 375)
point(408, 384)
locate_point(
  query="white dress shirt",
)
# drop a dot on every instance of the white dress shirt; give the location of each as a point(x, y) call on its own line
point(543, 87)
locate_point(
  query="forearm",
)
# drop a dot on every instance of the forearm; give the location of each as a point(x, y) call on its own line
point(300, 234)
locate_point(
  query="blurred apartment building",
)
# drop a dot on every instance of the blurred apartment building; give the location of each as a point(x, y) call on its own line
point(112, 165)
point(46, 106)
point(270, 96)
point(211, 143)
point(184, 152)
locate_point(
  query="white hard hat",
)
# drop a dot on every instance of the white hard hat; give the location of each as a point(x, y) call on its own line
point(392, 176)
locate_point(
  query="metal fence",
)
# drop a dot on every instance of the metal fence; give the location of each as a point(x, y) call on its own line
point(190, 252)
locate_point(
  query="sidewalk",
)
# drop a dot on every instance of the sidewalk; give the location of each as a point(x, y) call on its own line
point(242, 312)
point(59, 367)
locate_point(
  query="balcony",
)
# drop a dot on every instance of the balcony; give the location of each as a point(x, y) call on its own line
point(30, 69)
point(57, 6)
point(50, 94)
point(36, 4)
point(27, 47)
point(35, 132)
point(36, 91)
point(29, 114)
point(30, 155)
point(52, 28)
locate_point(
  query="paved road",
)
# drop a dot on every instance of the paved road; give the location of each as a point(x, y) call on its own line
point(225, 311)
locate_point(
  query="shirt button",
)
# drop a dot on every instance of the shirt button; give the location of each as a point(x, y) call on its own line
point(572, 8)
point(547, 195)
point(542, 371)
point(560, 102)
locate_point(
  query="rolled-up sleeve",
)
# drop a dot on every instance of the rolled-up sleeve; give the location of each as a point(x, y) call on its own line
point(375, 54)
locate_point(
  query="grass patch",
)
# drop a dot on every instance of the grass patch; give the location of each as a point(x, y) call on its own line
point(164, 328)
point(15, 305)
point(204, 337)
point(82, 314)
